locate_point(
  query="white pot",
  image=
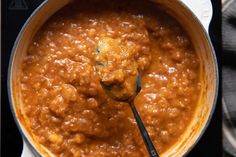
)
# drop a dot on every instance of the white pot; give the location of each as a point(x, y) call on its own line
point(194, 15)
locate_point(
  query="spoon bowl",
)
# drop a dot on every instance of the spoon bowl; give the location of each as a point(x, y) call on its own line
point(111, 88)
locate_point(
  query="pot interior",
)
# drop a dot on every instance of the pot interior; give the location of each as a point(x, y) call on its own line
point(201, 44)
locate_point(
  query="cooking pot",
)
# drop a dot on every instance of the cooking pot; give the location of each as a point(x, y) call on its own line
point(194, 16)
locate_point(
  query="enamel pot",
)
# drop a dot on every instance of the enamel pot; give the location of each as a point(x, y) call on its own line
point(193, 15)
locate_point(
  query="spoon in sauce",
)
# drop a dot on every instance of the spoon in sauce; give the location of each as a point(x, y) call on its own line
point(120, 78)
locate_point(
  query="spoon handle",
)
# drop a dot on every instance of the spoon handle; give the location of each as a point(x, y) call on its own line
point(147, 140)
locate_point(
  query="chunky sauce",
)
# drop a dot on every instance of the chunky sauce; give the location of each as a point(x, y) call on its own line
point(68, 111)
point(117, 68)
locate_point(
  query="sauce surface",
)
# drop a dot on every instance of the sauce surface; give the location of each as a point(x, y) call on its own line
point(69, 112)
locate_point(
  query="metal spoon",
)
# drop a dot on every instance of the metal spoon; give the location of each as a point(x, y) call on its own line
point(147, 140)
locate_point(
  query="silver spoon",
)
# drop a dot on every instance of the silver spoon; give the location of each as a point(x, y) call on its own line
point(146, 138)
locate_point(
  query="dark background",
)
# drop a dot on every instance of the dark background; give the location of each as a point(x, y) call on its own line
point(210, 145)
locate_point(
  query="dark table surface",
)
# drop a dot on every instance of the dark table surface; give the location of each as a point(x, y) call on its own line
point(210, 145)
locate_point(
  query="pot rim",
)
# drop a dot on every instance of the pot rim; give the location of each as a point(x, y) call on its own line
point(9, 79)
point(206, 34)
